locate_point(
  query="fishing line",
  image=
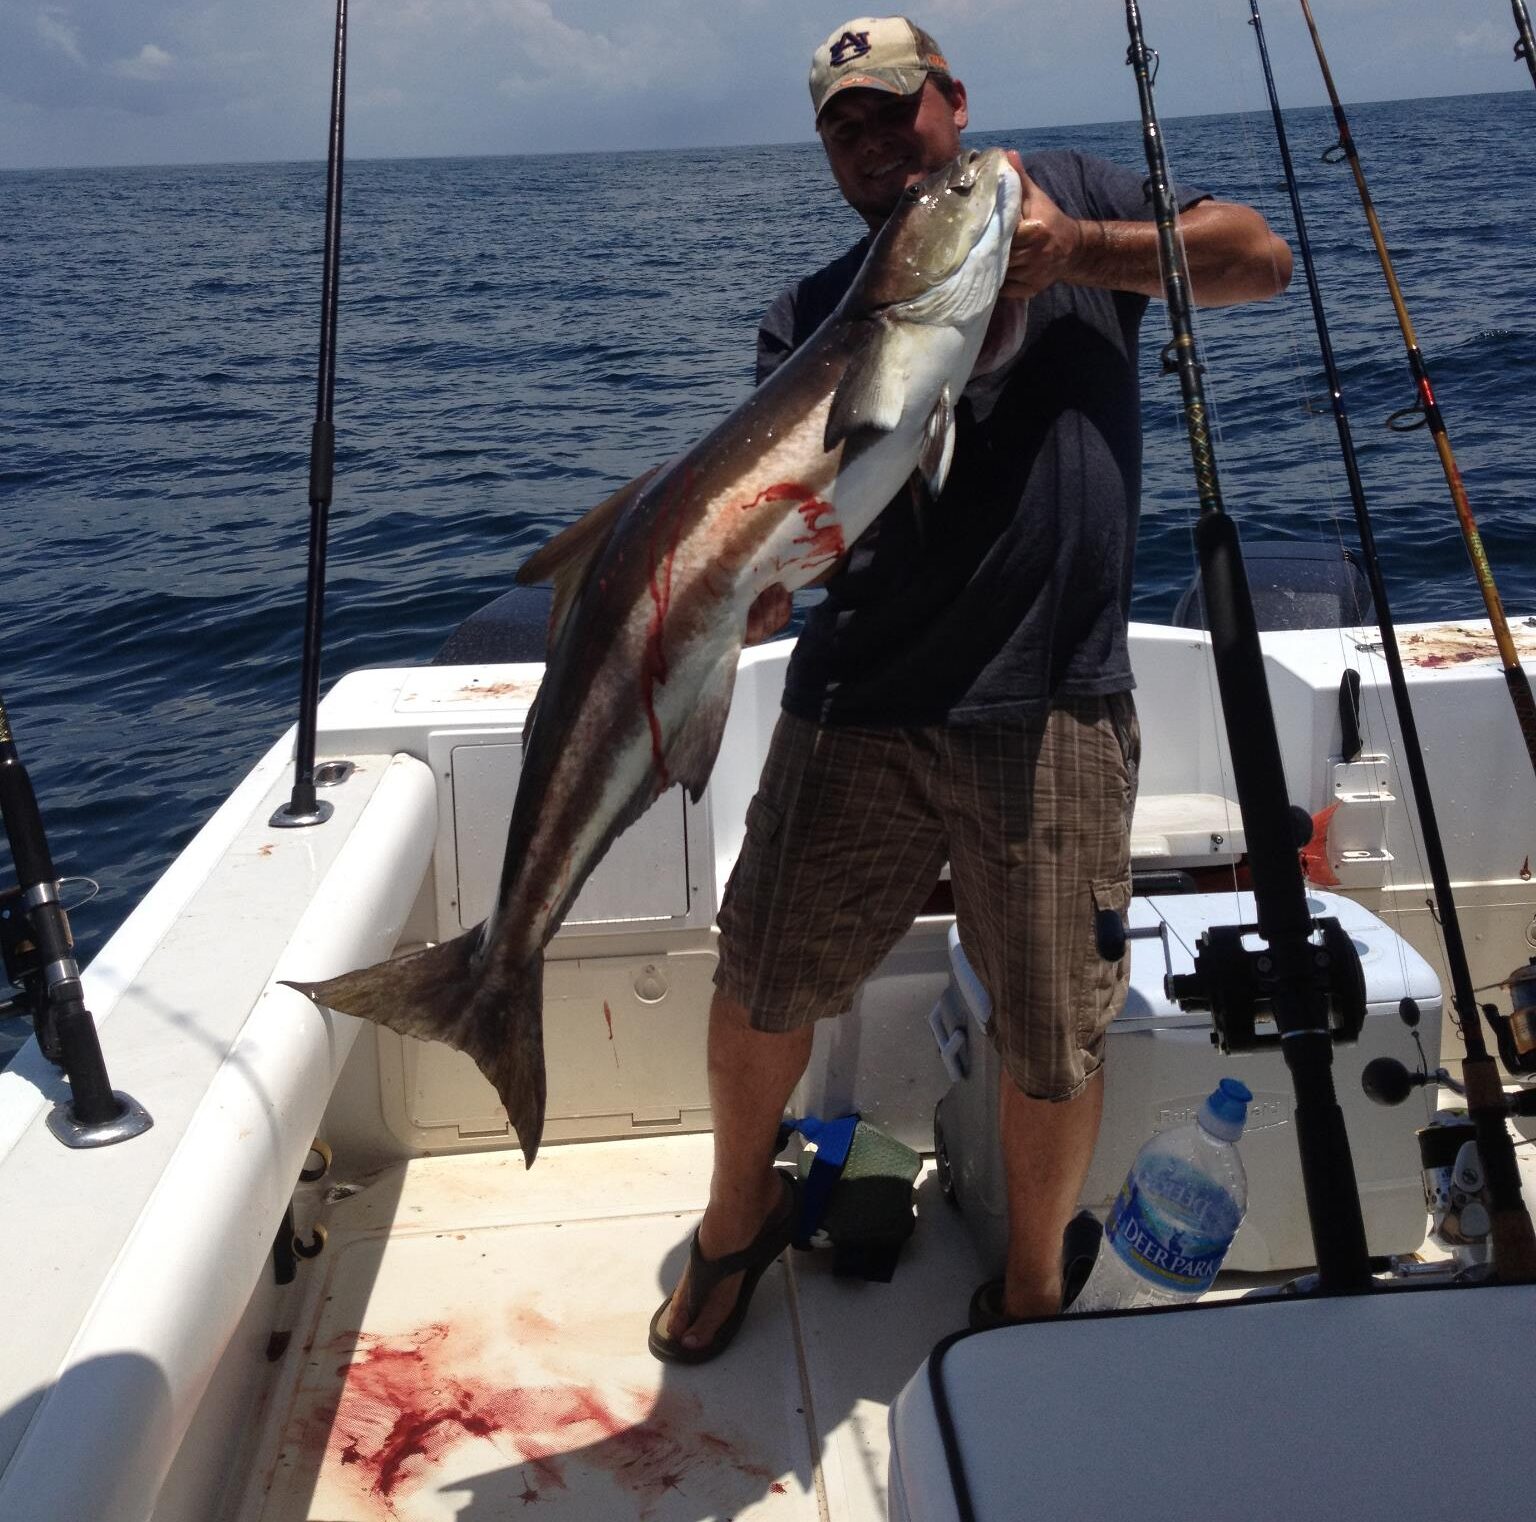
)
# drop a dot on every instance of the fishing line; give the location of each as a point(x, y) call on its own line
point(1313, 989)
point(1514, 1239)
point(1374, 713)
point(1188, 516)
point(1212, 705)
point(1426, 412)
point(1375, 727)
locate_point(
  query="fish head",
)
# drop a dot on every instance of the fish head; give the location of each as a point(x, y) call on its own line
point(949, 233)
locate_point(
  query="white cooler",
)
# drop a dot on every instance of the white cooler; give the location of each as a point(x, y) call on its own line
point(1392, 1407)
point(1161, 1062)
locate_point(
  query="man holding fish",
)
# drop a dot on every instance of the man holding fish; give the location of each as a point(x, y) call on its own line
point(963, 692)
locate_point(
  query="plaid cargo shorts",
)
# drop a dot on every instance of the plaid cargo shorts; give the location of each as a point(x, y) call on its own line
point(848, 832)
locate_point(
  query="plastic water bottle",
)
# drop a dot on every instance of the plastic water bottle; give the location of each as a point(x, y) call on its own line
point(1176, 1215)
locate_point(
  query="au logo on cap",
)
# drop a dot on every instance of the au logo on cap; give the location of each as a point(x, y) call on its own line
point(850, 45)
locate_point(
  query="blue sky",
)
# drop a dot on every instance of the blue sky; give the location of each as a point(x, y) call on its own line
point(87, 82)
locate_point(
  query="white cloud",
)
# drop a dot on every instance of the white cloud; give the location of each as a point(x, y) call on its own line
point(58, 31)
point(149, 63)
point(1486, 38)
point(554, 51)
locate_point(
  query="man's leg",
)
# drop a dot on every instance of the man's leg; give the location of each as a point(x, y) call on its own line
point(752, 1073)
point(841, 849)
point(1047, 1147)
point(1040, 842)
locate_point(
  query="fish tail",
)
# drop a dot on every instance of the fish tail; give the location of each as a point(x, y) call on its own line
point(447, 993)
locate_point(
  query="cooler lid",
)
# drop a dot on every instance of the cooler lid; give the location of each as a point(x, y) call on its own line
point(1070, 1418)
point(1393, 969)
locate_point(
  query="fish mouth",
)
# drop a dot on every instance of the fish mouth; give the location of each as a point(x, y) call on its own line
point(973, 167)
point(947, 238)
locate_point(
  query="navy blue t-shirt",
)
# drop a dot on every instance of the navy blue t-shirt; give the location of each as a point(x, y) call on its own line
point(1013, 587)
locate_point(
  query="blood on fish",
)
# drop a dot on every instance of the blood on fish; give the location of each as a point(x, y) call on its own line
point(784, 491)
point(825, 540)
point(653, 666)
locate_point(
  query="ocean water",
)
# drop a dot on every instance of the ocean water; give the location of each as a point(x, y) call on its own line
point(520, 335)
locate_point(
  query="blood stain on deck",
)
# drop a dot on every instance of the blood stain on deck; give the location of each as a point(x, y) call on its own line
point(1452, 645)
point(407, 1403)
point(521, 688)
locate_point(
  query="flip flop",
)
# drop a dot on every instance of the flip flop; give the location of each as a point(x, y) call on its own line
point(704, 1274)
point(1079, 1249)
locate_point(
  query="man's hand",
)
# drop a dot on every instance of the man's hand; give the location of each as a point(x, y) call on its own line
point(768, 614)
point(1046, 243)
point(1231, 253)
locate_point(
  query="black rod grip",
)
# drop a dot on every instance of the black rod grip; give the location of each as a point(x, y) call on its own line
point(1333, 1200)
point(1258, 772)
point(322, 461)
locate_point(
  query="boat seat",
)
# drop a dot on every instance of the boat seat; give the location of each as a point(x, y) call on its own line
point(512, 627)
point(1186, 830)
point(1294, 585)
point(1278, 1410)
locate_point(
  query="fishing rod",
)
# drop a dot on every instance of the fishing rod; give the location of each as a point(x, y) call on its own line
point(1514, 1241)
point(1525, 43)
point(39, 954)
point(1308, 975)
point(303, 808)
point(1426, 411)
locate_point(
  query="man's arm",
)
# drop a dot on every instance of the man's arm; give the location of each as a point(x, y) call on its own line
point(1232, 254)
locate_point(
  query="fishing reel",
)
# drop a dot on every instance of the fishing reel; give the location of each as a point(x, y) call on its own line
point(1239, 985)
point(24, 971)
point(1388, 1081)
point(1515, 1032)
point(1298, 984)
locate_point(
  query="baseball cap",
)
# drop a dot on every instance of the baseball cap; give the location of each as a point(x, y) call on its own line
point(874, 53)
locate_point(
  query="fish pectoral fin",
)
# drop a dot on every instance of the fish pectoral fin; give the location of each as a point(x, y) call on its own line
point(567, 558)
point(938, 444)
point(872, 392)
point(691, 755)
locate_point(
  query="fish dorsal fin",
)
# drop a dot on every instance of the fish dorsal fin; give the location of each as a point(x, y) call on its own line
point(872, 392)
point(938, 444)
point(691, 755)
point(566, 559)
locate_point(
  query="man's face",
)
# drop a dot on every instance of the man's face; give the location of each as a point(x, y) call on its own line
point(879, 143)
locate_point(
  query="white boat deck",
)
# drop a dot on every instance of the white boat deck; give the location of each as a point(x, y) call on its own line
point(472, 1341)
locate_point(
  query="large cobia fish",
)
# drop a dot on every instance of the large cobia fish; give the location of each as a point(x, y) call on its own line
point(652, 590)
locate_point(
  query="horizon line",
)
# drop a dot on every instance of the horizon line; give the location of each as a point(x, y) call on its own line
point(806, 142)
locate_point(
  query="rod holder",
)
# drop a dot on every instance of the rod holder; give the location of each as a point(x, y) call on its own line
point(303, 807)
point(39, 958)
